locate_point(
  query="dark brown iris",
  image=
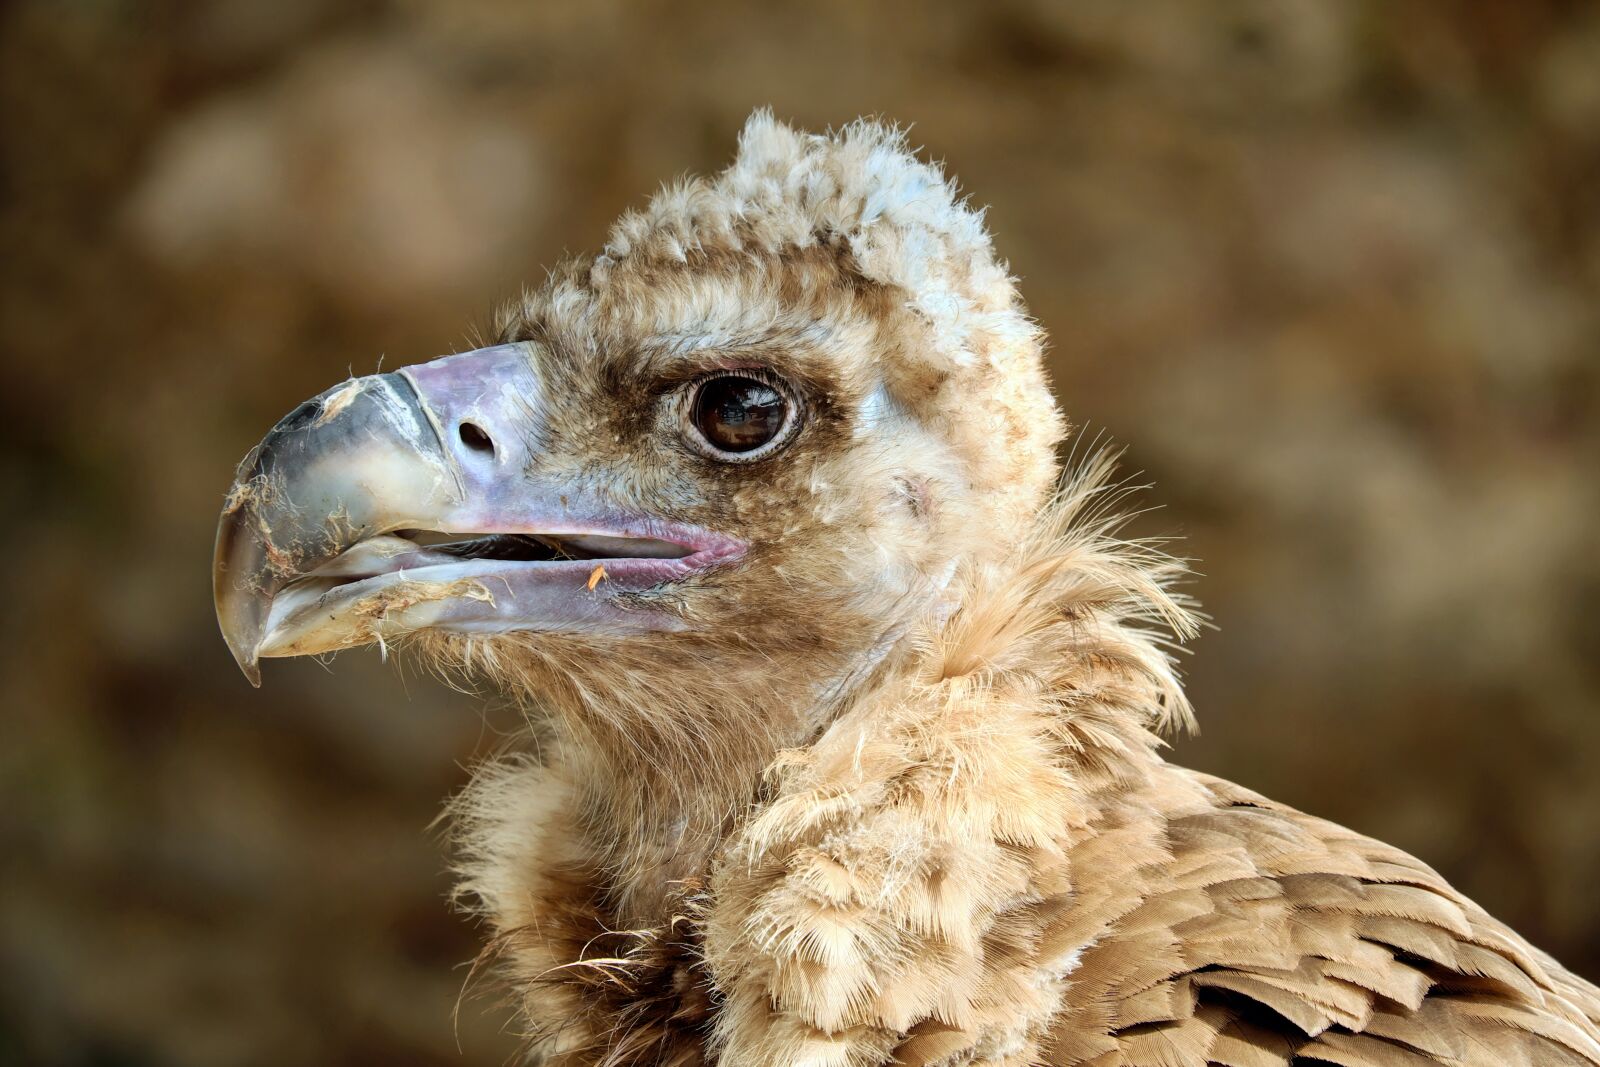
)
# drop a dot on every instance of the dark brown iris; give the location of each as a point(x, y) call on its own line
point(738, 414)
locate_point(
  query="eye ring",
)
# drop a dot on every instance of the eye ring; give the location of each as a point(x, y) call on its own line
point(728, 415)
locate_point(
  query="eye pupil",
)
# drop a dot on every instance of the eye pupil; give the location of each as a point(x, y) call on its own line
point(739, 414)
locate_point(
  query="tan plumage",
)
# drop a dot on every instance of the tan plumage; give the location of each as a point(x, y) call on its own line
point(895, 793)
point(988, 862)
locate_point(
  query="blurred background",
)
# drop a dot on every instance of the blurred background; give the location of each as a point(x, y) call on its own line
point(1330, 269)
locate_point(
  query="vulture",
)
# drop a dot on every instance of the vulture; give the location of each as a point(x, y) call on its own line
point(845, 705)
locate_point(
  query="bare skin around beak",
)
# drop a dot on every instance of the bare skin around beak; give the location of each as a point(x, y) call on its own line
point(332, 534)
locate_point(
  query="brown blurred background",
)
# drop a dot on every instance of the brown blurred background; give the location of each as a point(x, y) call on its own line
point(1330, 268)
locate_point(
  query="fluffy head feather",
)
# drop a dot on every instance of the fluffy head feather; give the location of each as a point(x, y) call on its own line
point(854, 270)
point(842, 249)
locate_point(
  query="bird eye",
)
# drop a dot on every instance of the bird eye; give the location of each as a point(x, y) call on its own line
point(739, 415)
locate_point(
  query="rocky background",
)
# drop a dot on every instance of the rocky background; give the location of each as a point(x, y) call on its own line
point(1330, 268)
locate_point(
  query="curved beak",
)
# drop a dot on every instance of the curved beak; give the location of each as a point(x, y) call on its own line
point(321, 544)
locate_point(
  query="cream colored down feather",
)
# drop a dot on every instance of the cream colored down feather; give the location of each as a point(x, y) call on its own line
point(921, 816)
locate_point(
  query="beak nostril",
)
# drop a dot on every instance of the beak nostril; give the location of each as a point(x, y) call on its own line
point(474, 437)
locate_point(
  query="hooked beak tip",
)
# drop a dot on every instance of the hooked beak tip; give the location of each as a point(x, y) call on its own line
point(246, 654)
point(290, 505)
point(239, 615)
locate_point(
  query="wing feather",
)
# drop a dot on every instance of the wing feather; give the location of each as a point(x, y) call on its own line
point(1262, 937)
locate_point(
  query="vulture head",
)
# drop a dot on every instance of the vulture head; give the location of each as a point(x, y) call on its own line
point(705, 481)
point(846, 746)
